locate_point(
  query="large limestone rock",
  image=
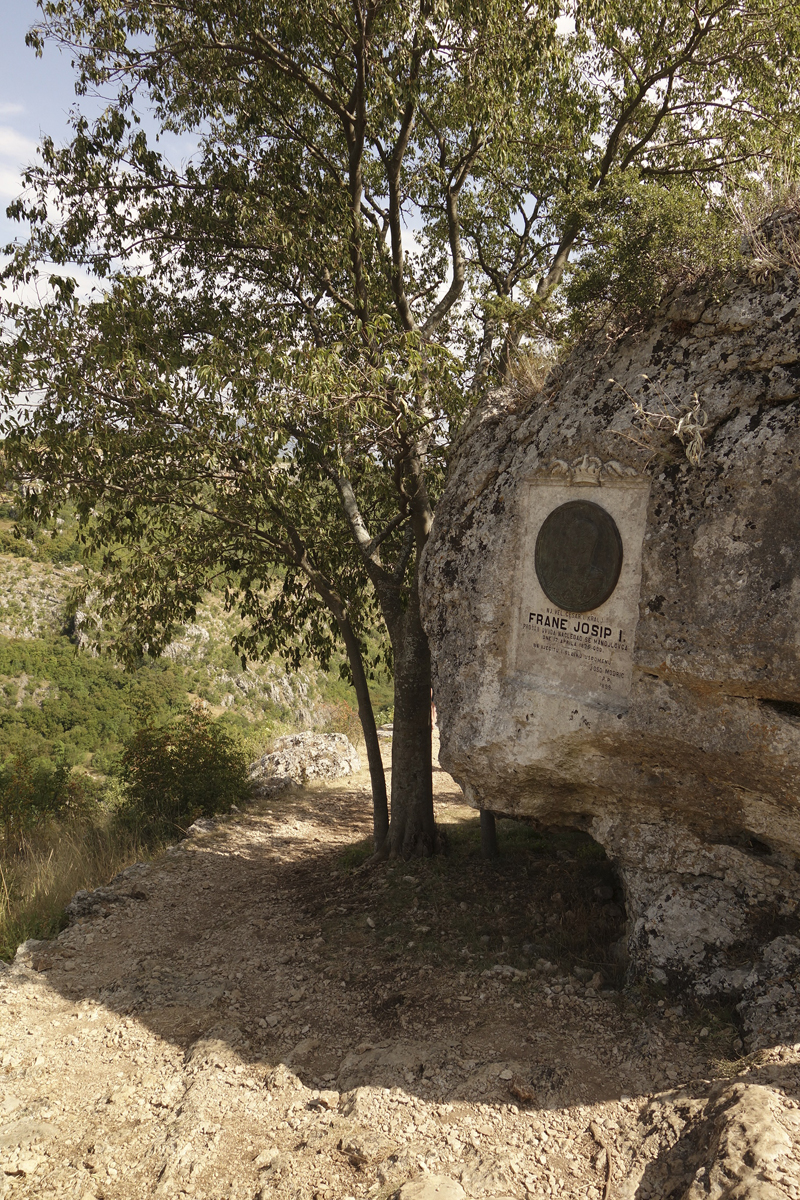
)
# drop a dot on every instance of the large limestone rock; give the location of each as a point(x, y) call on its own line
point(670, 727)
point(299, 757)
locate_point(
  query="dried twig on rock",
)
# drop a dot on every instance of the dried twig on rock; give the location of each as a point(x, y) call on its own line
point(687, 423)
point(607, 1166)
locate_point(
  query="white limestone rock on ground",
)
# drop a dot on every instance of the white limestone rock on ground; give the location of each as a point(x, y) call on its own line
point(431, 1187)
point(300, 757)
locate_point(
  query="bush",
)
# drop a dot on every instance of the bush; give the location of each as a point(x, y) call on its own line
point(341, 717)
point(192, 767)
point(33, 791)
point(650, 240)
point(58, 703)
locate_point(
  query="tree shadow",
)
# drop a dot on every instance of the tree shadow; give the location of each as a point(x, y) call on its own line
point(447, 978)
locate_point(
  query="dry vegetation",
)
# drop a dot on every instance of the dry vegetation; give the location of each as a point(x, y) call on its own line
point(40, 876)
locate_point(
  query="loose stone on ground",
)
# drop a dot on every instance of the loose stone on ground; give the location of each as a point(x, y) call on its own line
point(242, 1032)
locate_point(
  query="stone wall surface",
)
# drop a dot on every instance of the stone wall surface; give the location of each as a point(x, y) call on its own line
point(691, 782)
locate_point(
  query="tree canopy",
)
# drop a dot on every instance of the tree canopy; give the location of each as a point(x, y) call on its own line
point(290, 326)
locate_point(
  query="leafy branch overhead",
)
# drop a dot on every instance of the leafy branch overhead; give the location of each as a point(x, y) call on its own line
point(379, 205)
point(359, 159)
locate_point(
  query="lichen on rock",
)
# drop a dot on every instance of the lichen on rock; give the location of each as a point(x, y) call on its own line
point(689, 781)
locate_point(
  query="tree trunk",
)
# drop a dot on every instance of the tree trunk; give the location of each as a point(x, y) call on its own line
point(412, 831)
point(380, 806)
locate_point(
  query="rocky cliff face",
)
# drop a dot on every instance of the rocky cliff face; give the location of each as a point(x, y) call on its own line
point(679, 755)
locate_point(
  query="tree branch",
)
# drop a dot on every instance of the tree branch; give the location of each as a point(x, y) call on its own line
point(457, 260)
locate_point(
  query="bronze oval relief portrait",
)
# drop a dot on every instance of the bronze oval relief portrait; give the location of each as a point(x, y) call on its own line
point(578, 555)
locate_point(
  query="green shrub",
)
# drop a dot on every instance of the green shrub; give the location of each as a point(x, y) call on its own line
point(192, 767)
point(32, 791)
point(656, 239)
point(107, 759)
point(74, 705)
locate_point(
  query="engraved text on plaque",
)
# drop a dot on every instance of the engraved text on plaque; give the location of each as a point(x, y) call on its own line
point(578, 586)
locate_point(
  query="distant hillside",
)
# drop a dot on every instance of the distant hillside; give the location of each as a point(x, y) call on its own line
point(58, 701)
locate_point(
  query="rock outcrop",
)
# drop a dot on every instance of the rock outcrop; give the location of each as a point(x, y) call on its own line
point(299, 757)
point(669, 728)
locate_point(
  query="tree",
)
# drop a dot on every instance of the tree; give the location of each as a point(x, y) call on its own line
point(383, 203)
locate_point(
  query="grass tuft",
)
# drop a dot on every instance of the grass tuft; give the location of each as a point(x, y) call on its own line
point(355, 855)
point(40, 876)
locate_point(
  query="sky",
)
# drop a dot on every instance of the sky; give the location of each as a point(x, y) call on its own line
point(35, 97)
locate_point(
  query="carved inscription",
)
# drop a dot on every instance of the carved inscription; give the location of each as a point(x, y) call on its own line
point(578, 588)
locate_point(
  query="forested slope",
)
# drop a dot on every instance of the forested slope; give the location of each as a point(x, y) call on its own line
point(62, 702)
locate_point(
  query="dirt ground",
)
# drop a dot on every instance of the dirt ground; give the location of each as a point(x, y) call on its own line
point(255, 1016)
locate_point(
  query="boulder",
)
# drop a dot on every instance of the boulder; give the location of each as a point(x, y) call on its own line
point(735, 1141)
point(28, 951)
point(612, 595)
point(303, 756)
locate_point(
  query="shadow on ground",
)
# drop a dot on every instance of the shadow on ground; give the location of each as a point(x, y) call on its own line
point(454, 978)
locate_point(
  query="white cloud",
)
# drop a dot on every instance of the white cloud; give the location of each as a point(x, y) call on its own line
point(10, 183)
point(15, 145)
point(11, 110)
point(16, 151)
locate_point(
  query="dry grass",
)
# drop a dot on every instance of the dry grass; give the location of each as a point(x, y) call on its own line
point(770, 228)
point(730, 1068)
point(531, 366)
point(40, 877)
point(684, 420)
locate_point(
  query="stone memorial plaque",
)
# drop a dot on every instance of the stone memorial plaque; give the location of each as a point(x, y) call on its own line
point(577, 599)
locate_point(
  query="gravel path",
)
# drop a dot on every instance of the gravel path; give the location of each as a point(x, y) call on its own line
point(247, 1017)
